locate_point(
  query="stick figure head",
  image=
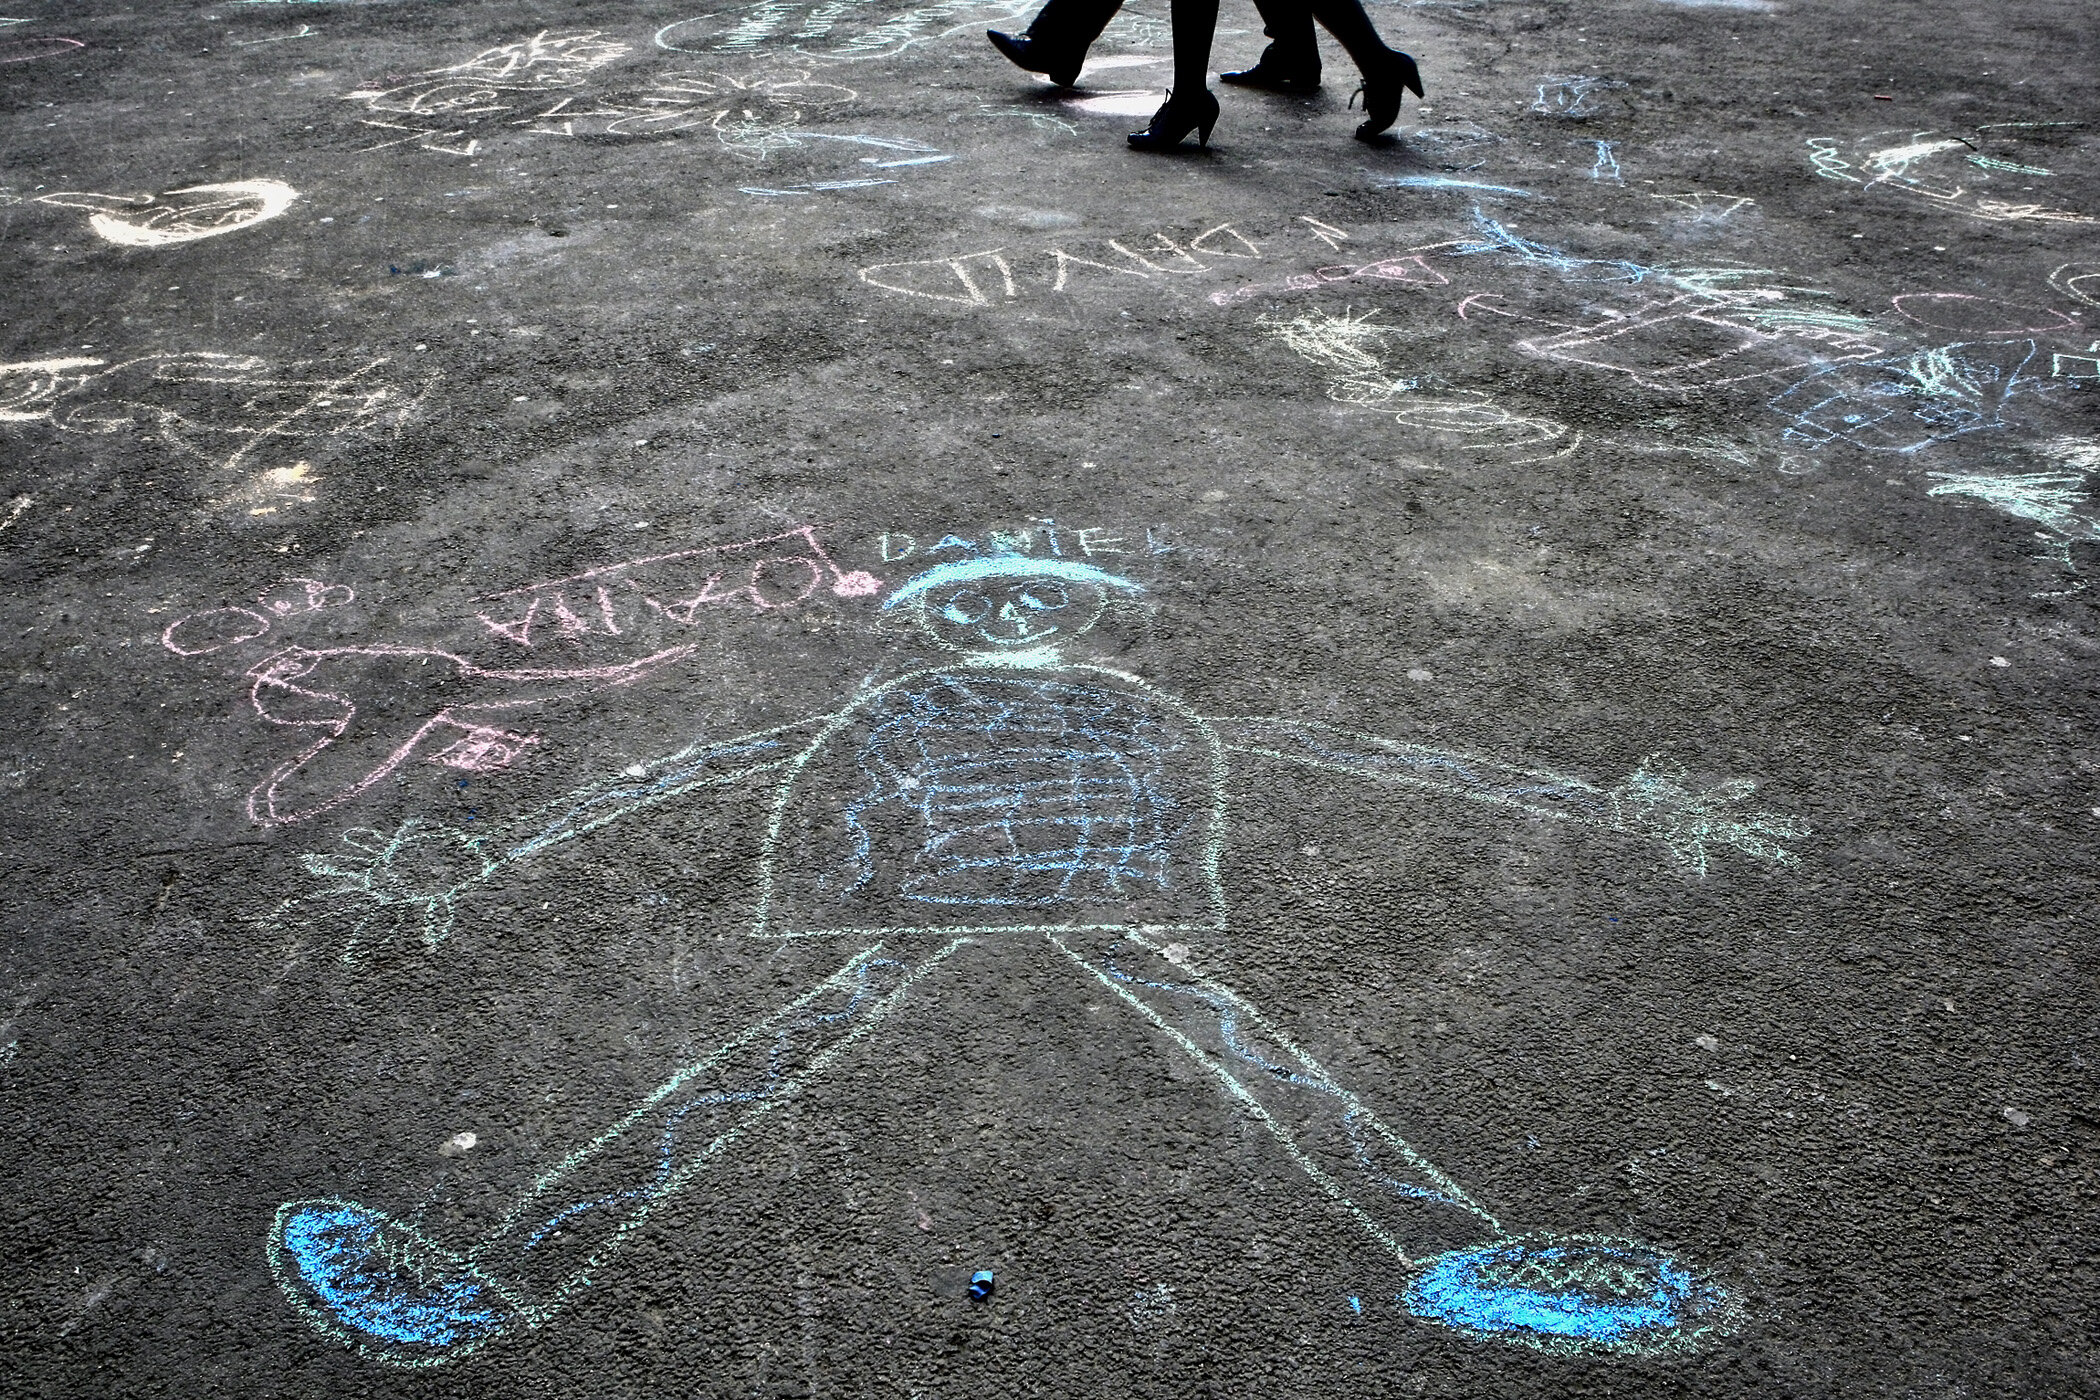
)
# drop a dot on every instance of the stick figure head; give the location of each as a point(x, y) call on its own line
point(1008, 605)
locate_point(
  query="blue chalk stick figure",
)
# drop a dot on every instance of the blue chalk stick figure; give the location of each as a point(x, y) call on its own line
point(1011, 795)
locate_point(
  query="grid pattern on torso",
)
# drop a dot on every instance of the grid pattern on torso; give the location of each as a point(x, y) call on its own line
point(1030, 793)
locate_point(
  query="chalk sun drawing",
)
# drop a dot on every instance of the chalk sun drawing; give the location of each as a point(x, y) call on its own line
point(179, 216)
point(1016, 796)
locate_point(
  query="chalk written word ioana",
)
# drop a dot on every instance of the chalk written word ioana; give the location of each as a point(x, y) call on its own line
point(363, 711)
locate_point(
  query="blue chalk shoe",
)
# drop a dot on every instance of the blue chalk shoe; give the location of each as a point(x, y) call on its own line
point(383, 1287)
point(1570, 1294)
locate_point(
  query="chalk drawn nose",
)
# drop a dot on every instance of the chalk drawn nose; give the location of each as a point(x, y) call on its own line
point(1570, 1294)
point(373, 1283)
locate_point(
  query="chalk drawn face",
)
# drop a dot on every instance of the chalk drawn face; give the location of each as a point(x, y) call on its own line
point(1010, 613)
point(1009, 605)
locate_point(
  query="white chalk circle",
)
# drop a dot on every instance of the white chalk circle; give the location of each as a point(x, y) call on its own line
point(29, 50)
point(1975, 315)
point(179, 216)
point(200, 634)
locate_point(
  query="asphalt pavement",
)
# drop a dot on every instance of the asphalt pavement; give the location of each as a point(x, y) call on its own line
point(710, 702)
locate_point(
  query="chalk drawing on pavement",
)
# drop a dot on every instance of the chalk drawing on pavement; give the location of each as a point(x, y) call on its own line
point(227, 411)
point(1943, 170)
point(362, 711)
point(833, 30)
point(1353, 349)
point(1015, 791)
point(179, 216)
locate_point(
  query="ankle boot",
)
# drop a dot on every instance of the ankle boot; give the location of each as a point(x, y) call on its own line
point(1275, 72)
point(1032, 56)
point(1175, 119)
point(1385, 79)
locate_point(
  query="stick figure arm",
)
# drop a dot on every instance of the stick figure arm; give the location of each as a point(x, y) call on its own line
point(381, 885)
point(702, 764)
point(1655, 801)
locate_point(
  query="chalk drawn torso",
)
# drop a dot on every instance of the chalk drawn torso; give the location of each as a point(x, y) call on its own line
point(971, 798)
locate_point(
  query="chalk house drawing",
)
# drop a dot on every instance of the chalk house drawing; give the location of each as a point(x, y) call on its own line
point(179, 216)
point(1015, 796)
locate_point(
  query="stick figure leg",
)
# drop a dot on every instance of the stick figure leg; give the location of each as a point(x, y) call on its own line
point(380, 1285)
point(1560, 1293)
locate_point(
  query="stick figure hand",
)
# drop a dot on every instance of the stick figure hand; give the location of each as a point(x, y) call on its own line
point(1658, 801)
point(386, 888)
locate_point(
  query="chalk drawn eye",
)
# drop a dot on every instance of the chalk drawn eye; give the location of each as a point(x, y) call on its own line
point(1044, 596)
point(967, 607)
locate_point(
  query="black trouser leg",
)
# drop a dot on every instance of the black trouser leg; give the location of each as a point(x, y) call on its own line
point(1353, 30)
point(1071, 26)
point(1289, 25)
point(1195, 22)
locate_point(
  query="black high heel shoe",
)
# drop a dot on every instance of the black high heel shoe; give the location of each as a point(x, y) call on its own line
point(1172, 123)
point(1274, 73)
point(1030, 56)
point(1381, 93)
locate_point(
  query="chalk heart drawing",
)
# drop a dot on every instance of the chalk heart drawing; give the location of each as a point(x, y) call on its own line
point(1013, 799)
point(831, 29)
point(366, 710)
point(179, 216)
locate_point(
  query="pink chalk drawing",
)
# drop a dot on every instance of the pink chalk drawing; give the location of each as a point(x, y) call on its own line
point(304, 595)
point(301, 688)
point(371, 708)
point(1975, 315)
point(215, 629)
point(1411, 270)
point(672, 586)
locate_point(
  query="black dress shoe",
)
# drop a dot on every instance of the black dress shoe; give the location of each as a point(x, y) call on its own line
point(1030, 56)
point(1382, 92)
point(1172, 123)
point(1275, 73)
